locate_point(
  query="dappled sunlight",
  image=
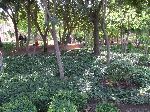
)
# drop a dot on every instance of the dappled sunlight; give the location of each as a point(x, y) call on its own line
point(145, 91)
point(74, 55)
point(37, 77)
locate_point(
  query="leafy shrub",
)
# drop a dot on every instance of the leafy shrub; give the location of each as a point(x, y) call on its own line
point(119, 70)
point(116, 48)
point(138, 99)
point(41, 99)
point(106, 107)
point(141, 76)
point(143, 61)
point(21, 104)
point(8, 47)
point(130, 46)
point(77, 98)
point(62, 106)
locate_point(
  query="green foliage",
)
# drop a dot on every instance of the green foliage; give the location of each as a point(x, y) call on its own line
point(36, 78)
point(138, 99)
point(106, 107)
point(19, 105)
point(119, 70)
point(79, 37)
point(143, 61)
point(116, 48)
point(8, 47)
point(79, 99)
point(141, 76)
point(130, 46)
point(28, 65)
point(62, 106)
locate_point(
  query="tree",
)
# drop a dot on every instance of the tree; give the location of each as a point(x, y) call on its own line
point(103, 24)
point(36, 14)
point(91, 9)
point(29, 3)
point(11, 8)
point(52, 17)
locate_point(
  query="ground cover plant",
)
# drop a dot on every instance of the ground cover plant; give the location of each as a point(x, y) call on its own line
point(19, 104)
point(87, 77)
point(106, 107)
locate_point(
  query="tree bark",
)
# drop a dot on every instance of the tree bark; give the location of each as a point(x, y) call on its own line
point(104, 31)
point(94, 16)
point(45, 44)
point(126, 42)
point(16, 34)
point(54, 36)
point(96, 35)
point(29, 25)
point(58, 55)
point(122, 39)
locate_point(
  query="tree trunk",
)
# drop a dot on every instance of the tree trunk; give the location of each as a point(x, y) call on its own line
point(54, 36)
point(104, 31)
point(45, 32)
point(117, 39)
point(58, 55)
point(60, 35)
point(29, 26)
point(96, 35)
point(126, 42)
point(45, 44)
point(122, 39)
point(63, 39)
point(16, 34)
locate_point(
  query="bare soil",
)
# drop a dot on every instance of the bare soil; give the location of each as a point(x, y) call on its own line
point(122, 107)
point(39, 49)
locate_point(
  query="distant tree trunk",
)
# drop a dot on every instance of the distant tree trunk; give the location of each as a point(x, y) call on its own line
point(63, 36)
point(118, 40)
point(126, 42)
point(96, 34)
point(68, 39)
point(29, 25)
point(104, 31)
point(60, 35)
point(122, 38)
point(45, 44)
point(45, 30)
point(16, 34)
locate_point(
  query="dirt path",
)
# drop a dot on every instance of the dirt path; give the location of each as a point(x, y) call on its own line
point(39, 49)
point(122, 107)
point(134, 108)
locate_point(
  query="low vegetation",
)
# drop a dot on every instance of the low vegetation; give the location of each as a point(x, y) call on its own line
point(36, 80)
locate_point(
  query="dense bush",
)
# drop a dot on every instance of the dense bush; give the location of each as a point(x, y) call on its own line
point(138, 99)
point(119, 70)
point(21, 104)
point(8, 47)
point(62, 106)
point(143, 61)
point(141, 76)
point(77, 98)
point(106, 107)
point(39, 90)
point(37, 78)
